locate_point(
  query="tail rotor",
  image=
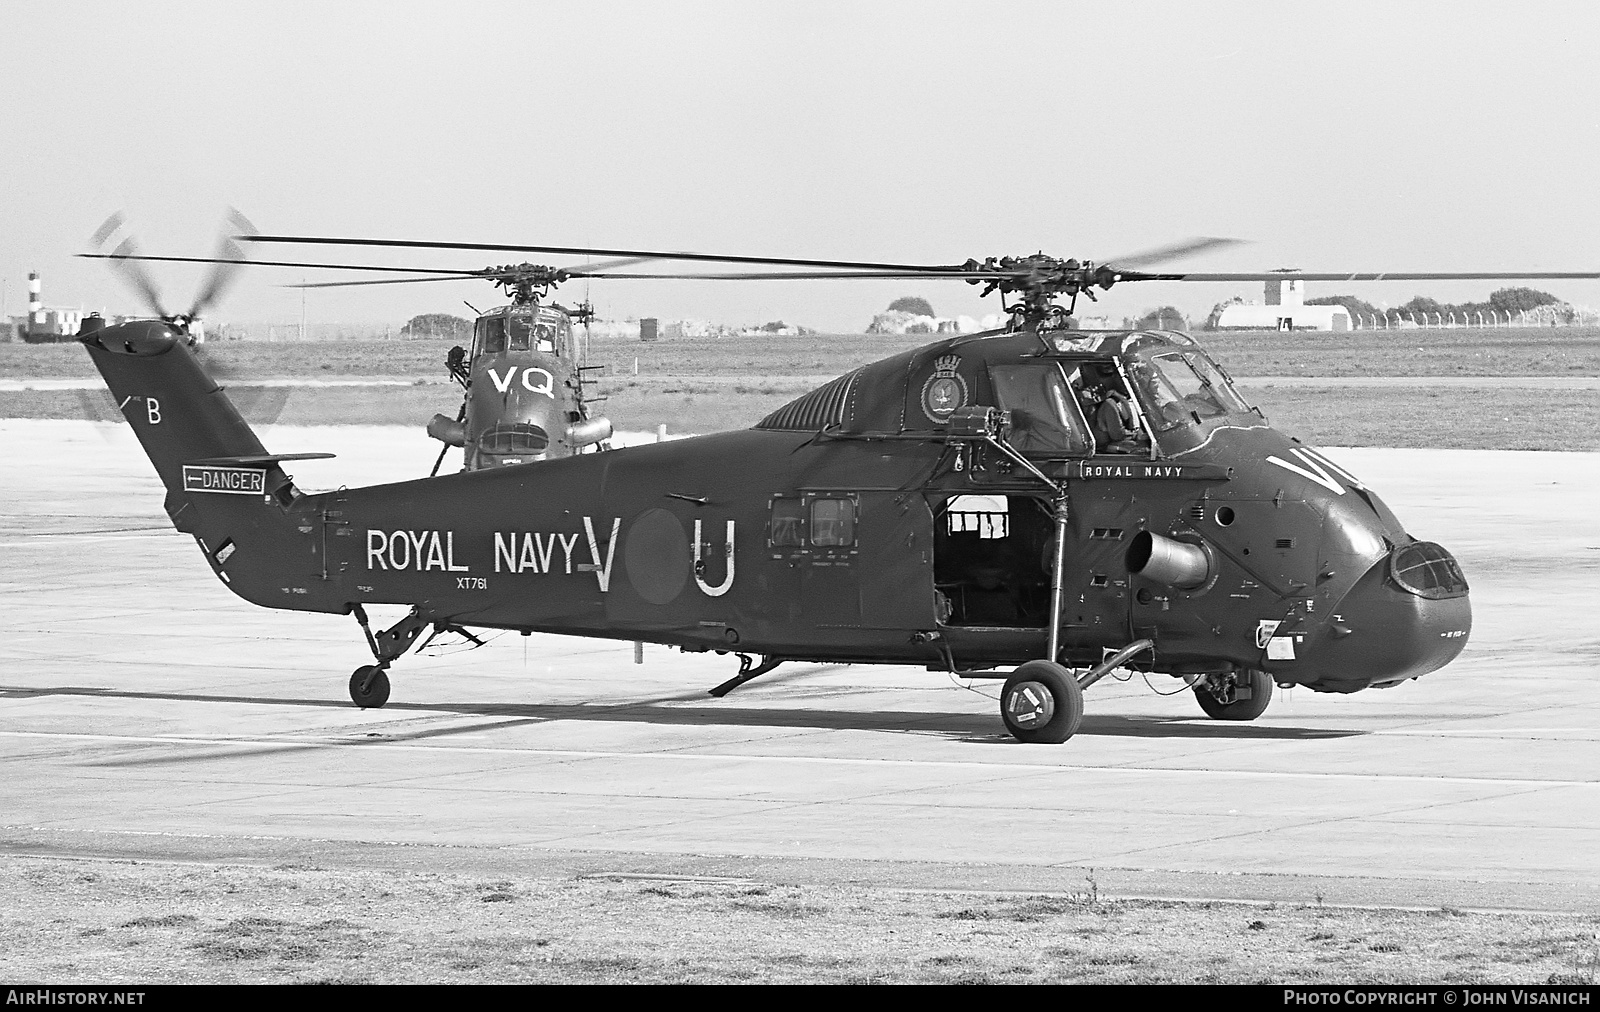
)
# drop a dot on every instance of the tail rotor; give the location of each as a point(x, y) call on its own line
point(121, 252)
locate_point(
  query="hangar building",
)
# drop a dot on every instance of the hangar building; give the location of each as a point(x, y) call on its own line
point(1284, 309)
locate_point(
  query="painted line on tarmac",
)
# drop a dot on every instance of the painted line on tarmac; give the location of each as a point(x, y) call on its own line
point(32, 540)
point(367, 743)
point(1557, 733)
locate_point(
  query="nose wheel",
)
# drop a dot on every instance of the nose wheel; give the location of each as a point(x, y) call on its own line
point(369, 687)
point(1234, 695)
point(1041, 702)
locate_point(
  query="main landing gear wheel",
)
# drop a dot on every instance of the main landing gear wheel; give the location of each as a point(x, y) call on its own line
point(1041, 703)
point(1234, 695)
point(369, 687)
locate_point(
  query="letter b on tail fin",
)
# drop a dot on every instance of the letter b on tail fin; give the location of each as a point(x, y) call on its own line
point(178, 412)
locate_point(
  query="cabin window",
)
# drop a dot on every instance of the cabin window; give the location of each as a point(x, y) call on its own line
point(987, 516)
point(1044, 414)
point(491, 335)
point(788, 525)
point(833, 523)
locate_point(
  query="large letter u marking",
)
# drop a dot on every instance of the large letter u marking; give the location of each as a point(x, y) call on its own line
point(699, 566)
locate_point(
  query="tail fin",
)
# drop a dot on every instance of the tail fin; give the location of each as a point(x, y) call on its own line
point(178, 412)
point(222, 485)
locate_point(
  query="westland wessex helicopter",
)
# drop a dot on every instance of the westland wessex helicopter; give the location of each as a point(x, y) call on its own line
point(523, 386)
point(523, 381)
point(955, 506)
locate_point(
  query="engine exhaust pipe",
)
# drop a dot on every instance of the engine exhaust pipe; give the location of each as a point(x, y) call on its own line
point(1164, 560)
point(591, 430)
point(448, 431)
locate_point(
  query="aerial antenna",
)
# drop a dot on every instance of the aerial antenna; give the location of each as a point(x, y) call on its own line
point(588, 314)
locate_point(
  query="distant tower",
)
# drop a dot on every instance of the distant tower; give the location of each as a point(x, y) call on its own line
point(35, 301)
point(1286, 292)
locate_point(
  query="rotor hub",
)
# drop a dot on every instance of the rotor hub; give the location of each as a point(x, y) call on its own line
point(1039, 280)
point(525, 283)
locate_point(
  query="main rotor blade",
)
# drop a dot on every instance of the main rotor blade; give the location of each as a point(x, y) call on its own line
point(806, 276)
point(1171, 251)
point(282, 263)
point(388, 281)
point(487, 274)
point(608, 265)
point(1371, 276)
point(595, 251)
point(242, 259)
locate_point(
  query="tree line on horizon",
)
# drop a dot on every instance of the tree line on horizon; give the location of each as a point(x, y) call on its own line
point(1502, 302)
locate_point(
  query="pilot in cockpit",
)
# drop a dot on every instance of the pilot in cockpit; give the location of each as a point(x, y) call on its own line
point(1110, 413)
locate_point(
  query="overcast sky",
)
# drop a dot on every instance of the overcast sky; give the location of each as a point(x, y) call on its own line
point(1349, 135)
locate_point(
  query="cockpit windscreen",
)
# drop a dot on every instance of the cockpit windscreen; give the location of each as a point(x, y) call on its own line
point(491, 336)
point(499, 334)
point(1178, 387)
point(527, 334)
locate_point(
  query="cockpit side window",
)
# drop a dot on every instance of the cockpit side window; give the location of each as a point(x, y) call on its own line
point(1113, 418)
point(1044, 414)
point(491, 337)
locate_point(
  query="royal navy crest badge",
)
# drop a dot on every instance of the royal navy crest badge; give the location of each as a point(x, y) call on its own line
point(945, 390)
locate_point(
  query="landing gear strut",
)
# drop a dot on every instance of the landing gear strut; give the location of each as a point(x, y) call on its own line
point(748, 669)
point(369, 684)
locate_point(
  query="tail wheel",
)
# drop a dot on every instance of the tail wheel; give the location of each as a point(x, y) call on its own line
point(369, 687)
point(1234, 695)
point(1041, 702)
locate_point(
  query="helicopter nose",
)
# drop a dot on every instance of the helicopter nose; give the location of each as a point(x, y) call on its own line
point(1408, 615)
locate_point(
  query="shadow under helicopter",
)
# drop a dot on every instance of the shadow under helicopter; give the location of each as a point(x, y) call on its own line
point(972, 728)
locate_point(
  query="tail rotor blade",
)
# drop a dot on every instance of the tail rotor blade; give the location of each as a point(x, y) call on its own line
point(260, 405)
point(103, 234)
point(124, 262)
point(221, 276)
point(136, 277)
point(230, 257)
